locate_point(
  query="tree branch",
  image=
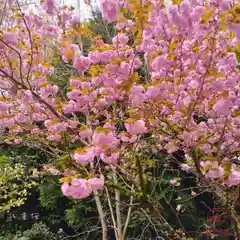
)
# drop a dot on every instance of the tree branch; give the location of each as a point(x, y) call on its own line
point(111, 211)
point(101, 215)
point(118, 210)
point(128, 215)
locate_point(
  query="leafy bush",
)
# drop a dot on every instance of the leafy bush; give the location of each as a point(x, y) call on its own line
point(39, 231)
point(15, 183)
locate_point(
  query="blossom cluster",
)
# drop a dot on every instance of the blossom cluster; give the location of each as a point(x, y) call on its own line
point(82, 188)
point(188, 98)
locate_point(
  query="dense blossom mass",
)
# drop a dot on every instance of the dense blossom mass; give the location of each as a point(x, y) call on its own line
point(188, 97)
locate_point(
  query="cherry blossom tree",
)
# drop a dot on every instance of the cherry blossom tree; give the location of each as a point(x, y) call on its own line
point(186, 98)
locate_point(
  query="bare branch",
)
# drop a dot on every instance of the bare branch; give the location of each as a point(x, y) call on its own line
point(118, 210)
point(128, 215)
point(111, 211)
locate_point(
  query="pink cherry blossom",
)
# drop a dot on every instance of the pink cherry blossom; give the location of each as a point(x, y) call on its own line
point(193, 193)
point(96, 183)
point(235, 28)
point(75, 19)
point(121, 39)
point(136, 127)
point(179, 207)
point(130, 139)
point(84, 156)
point(137, 95)
point(72, 123)
point(54, 138)
point(222, 107)
point(49, 90)
point(185, 167)
point(173, 181)
point(75, 82)
point(73, 95)
point(109, 9)
point(10, 37)
point(17, 140)
point(20, 118)
point(49, 6)
point(110, 159)
point(79, 189)
point(10, 2)
point(215, 173)
point(233, 178)
point(65, 189)
point(85, 132)
point(105, 140)
point(4, 107)
point(120, 26)
point(81, 63)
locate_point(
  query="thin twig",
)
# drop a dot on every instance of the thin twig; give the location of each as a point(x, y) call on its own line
point(128, 215)
point(100, 211)
point(118, 211)
point(30, 40)
point(111, 211)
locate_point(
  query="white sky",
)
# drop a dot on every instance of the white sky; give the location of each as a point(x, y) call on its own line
point(81, 7)
point(85, 10)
